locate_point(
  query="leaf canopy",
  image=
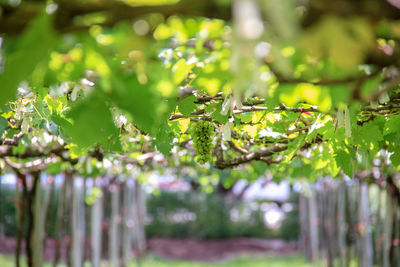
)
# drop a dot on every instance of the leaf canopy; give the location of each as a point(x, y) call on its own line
point(288, 93)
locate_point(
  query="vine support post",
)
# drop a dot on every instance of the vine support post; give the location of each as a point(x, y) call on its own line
point(77, 223)
point(114, 229)
point(127, 222)
point(388, 231)
point(303, 227)
point(341, 224)
point(96, 223)
point(313, 227)
point(365, 241)
point(61, 207)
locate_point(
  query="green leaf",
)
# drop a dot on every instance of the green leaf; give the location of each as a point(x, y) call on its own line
point(60, 121)
point(92, 123)
point(216, 115)
point(392, 125)
point(293, 147)
point(19, 149)
point(33, 47)
point(320, 160)
point(344, 161)
point(323, 125)
point(54, 168)
point(164, 138)
point(245, 117)
point(300, 170)
point(371, 85)
point(368, 136)
point(340, 94)
point(259, 167)
point(3, 125)
point(181, 69)
point(183, 125)
point(251, 130)
point(187, 105)
point(395, 157)
point(137, 99)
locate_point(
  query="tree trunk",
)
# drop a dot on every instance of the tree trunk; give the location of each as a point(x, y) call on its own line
point(48, 203)
point(31, 219)
point(38, 229)
point(20, 206)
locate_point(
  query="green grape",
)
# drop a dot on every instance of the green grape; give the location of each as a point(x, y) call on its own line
point(202, 134)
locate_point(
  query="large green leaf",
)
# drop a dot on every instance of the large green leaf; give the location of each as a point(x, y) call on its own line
point(126, 92)
point(187, 105)
point(33, 47)
point(138, 99)
point(368, 137)
point(395, 157)
point(92, 124)
point(344, 161)
point(216, 115)
point(392, 125)
point(164, 138)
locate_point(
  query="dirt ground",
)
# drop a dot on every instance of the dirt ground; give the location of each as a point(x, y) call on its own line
point(214, 250)
point(185, 249)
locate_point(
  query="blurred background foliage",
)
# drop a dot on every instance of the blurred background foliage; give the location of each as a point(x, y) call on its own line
point(181, 214)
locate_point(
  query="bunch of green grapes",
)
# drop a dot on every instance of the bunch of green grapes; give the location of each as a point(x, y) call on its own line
point(202, 134)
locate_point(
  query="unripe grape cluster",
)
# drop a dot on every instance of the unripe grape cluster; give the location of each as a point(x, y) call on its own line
point(202, 134)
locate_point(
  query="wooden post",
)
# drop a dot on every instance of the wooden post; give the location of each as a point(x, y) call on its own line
point(61, 207)
point(127, 222)
point(388, 231)
point(114, 221)
point(365, 241)
point(77, 231)
point(341, 224)
point(313, 227)
point(96, 222)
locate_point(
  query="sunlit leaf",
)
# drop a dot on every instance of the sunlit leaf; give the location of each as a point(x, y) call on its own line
point(183, 124)
point(181, 69)
point(251, 130)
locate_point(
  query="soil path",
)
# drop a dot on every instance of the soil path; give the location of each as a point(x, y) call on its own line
point(186, 249)
point(214, 250)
